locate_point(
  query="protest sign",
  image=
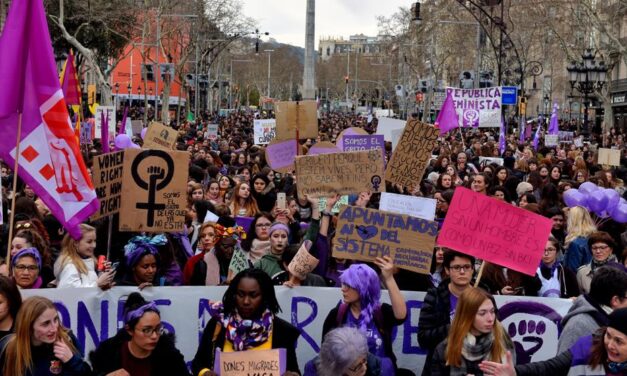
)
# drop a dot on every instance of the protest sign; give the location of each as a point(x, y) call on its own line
point(367, 142)
point(566, 136)
point(322, 204)
point(137, 126)
point(478, 107)
point(364, 234)
point(610, 157)
point(303, 262)
point(212, 132)
point(349, 132)
point(107, 179)
point(251, 362)
point(324, 147)
point(86, 133)
point(264, 131)
point(551, 140)
point(419, 207)
point(489, 160)
point(158, 136)
point(495, 231)
point(411, 156)
point(239, 262)
point(301, 115)
point(578, 141)
point(245, 222)
point(341, 173)
point(154, 199)
point(281, 155)
point(388, 127)
point(110, 114)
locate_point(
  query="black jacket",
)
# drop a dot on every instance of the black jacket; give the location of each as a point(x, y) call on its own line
point(166, 359)
point(434, 321)
point(284, 336)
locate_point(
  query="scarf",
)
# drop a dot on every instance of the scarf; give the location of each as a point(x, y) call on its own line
point(616, 367)
point(258, 249)
point(473, 349)
point(547, 271)
point(244, 334)
point(597, 264)
point(212, 278)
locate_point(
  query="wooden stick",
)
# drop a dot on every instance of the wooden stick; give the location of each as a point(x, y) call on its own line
point(479, 273)
point(15, 168)
point(109, 231)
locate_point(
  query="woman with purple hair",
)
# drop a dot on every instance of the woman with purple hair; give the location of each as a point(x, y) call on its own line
point(361, 308)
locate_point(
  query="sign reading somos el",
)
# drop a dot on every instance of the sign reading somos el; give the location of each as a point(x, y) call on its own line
point(364, 234)
point(495, 231)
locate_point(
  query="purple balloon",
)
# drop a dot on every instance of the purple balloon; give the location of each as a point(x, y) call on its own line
point(122, 141)
point(143, 133)
point(573, 197)
point(597, 202)
point(613, 199)
point(588, 187)
point(134, 146)
point(619, 214)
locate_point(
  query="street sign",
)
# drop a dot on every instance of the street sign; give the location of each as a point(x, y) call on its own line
point(509, 95)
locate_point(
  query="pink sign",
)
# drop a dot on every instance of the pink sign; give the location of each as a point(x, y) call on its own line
point(495, 231)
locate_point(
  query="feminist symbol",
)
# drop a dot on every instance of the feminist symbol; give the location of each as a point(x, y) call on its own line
point(155, 173)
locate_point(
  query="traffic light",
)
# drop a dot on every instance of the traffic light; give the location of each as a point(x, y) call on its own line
point(346, 79)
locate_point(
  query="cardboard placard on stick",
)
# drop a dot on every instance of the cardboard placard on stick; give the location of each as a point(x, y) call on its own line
point(412, 154)
point(609, 157)
point(303, 262)
point(158, 136)
point(107, 178)
point(155, 193)
point(302, 115)
point(341, 173)
point(364, 234)
point(282, 154)
point(251, 362)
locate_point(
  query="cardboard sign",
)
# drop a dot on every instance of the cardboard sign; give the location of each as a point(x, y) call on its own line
point(551, 140)
point(324, 147)
point(303, 262)
point(411, 156)
point(251, 362)
point(495, 231)
point(281, 155)
point(158, 136)
point(212, 132)
point(578, 141)
point(239, 262)
point(419, 207)
point(364, 234)
point(301, 115)
point(341, 173)
point(107, 178)
point(110, 114)
point(264, 131)
point(388, 127)
point(610, 157)
point(322, 204)
point(86, 133)
point(565, 136)
point(155, 193)
point(359, 143)
point(349, 132)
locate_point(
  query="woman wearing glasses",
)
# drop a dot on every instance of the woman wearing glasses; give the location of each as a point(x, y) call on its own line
point(29, 238)
point(25, 267)
point(602, 246)
point(557, 281)
point(257, 242)
point(141, 347)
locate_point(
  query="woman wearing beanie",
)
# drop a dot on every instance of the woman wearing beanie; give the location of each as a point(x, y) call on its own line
point(271, 262)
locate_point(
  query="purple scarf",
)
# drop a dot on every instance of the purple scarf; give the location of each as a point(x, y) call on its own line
point(244, 334)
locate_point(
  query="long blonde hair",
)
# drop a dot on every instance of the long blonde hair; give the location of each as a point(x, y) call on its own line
point(579, 223)
point(18, 358)
point(69, 251)
point(467, 306)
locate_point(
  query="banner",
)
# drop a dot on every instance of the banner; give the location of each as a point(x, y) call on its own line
point(154, 199)
point(107, 177)
point(412, 155)
point(264, 131)
point(551, 140)
point(159, 136)
point(95, 315)
point(301, 115)
point(341, 173)
point(86, 133)
point(419, 207)
point(212, 132)
point(609, 157)
point(364, 234)
point(478, 107)
point(495, 231)
point(110, 114)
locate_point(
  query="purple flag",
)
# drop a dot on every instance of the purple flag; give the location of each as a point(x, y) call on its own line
point(447, 117)
point(502, 137)
point(536, 137)
point(50, 161)
point(554, 125)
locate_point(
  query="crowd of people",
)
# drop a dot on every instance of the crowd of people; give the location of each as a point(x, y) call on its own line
point(585, 259)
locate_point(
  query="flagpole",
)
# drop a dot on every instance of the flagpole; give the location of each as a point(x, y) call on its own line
point(15, 168)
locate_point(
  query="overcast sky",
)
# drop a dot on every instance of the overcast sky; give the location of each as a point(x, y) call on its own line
point(285, 19)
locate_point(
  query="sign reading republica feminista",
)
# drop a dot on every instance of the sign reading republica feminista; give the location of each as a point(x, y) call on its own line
point(495, 231)
point(478, 107)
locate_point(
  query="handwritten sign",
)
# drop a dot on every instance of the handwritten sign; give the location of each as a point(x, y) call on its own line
point(154, 199)
point(411, 156)
point(610, 157)
point(367, 142)
point(239, 262)
point(86, 133)
point(303, 262)
point(341, 173)
point(281, 155)
point(158, 136)
point(264, 131)
point(495, 231)
point(364, 234)
point(551, 140)
point(322, 204)
point(301, 115)
point(419, 207)
point(252, 362)
point(212, 132)
point(107, 179)
point(566, 136)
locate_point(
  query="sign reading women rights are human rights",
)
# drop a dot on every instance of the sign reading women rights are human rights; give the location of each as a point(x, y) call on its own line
point(477, 107)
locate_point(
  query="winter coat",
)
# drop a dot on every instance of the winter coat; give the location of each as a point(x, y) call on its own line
point(584, 317)
point(440, 368)
point(270, 263)
point(434, 321)
point(577, 253)
point(69, 276)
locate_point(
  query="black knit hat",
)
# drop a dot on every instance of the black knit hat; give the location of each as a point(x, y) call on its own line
point(618, 320)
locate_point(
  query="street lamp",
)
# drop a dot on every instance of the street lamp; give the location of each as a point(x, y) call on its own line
point(269, 54)
point(139, 93)
point(130, 98)
point(587, 76)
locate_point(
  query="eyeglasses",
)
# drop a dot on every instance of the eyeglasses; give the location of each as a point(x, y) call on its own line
point(30, 268)
point(549, 250)
point(262, 225)
point(23, 225)
point(600, 248)
point(459, 268)
point(158, 330)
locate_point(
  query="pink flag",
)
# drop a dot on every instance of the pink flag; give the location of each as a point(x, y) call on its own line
point(70, 83)
point(447, 117)
point(50, 161)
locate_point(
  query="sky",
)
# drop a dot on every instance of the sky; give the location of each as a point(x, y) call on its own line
point(285, 19)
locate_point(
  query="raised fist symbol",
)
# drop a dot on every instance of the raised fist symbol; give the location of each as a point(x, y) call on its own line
point(527, 332)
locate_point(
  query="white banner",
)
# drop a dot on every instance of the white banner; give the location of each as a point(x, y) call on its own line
point(265, 131)
point(95, 315)
point(478, 107)
point(110, 114)
point(420, 207)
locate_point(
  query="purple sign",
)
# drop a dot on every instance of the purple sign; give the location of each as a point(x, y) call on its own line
point(363, 142)
point(281, 155)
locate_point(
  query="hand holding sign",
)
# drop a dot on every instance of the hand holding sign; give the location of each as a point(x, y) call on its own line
point(303, 262)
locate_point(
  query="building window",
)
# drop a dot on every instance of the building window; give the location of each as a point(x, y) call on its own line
point(328, 51)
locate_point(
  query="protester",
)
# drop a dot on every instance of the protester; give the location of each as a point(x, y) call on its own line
point(141, 262)
point(29, 238)
point(243, 204)
point(208, 238)
point(10, 303)
point(602, 246)
point(579, 226)
point(213, 268)
point(141, 347)
point(270, 263)
point(438, 274)
point(26, 266)
point(500, 280)
point(557, 281)
point(257, 242)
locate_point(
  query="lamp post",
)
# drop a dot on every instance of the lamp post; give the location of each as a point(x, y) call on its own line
point(546, 105)
point(130, 98)
point(139, 94)
point(587, 76)
point(269, 55)
point(150, 95)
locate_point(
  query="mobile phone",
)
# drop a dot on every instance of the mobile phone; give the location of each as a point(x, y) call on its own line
point(115, 265)
point(518, 289)
point(280, 200)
